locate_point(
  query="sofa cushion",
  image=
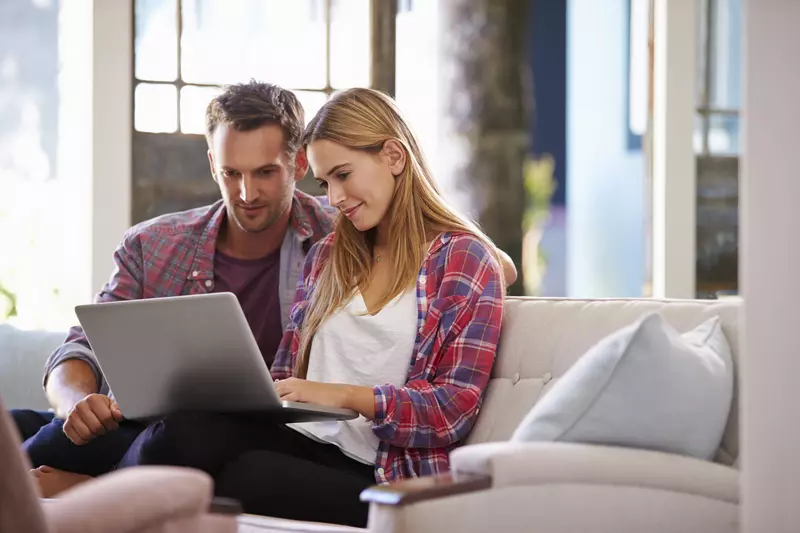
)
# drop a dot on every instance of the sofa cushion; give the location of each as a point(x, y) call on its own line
point(644, 386)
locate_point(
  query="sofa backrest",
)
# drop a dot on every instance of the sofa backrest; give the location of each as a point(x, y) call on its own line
point(543, 337)
point(22, 357)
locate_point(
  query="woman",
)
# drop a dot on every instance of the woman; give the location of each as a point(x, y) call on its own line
point(397, 316)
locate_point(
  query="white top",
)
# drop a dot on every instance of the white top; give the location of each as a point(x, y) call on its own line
point(354, 347)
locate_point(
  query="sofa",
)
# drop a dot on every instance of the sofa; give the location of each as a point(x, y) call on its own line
point(559, 487)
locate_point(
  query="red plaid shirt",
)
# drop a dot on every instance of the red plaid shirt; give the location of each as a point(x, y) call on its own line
point(459, 313)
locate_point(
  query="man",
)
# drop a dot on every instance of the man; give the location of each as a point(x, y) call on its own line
point(252, 243)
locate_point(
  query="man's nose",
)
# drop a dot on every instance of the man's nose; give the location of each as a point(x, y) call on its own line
point(247, 189)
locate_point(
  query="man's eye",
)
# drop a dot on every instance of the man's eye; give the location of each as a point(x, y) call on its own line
point(230, 173)
point(266, 171)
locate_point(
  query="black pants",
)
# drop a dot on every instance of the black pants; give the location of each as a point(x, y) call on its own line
point(271, 469)
point(46, 444)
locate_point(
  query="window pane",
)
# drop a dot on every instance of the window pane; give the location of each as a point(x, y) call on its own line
point(723, 135)
point(194, 101)
point(156, 40)
point(277, 41)
point(311, 101)
point(351, 43)
point(726, 54)
point(155, 108)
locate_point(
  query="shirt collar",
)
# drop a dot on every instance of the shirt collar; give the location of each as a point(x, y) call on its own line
point(203, 263)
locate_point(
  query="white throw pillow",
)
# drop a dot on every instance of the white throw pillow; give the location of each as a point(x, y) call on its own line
point(644, 386)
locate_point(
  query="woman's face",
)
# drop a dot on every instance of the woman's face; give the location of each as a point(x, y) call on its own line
point(359, 183)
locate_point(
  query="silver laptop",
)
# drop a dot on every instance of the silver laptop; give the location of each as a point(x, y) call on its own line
point(187, 353)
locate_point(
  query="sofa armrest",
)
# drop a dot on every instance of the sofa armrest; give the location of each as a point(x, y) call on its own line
point(424, 488)
point(538, 463)
point(129, 500)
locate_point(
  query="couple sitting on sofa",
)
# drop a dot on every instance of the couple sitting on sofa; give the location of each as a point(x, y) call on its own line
point(397, 313)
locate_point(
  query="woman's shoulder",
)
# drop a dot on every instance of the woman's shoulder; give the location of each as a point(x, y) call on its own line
point(452, 242)
point(462, 251)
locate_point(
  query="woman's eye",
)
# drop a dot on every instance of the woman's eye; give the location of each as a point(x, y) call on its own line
point(343, 175)
point(322, 184)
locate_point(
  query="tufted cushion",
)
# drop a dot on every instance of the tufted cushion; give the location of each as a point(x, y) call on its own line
point(543, 337)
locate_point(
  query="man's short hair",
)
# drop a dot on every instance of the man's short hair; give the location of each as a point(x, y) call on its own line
point(249, 106)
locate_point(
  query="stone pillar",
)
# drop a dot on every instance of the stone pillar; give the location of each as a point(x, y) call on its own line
point(487, 92)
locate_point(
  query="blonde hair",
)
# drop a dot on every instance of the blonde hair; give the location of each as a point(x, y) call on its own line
point(364, 119)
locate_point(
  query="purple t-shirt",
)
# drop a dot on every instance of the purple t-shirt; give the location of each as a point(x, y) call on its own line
point(255, 284)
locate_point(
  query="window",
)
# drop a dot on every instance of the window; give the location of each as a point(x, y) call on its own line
point(185, 50)
point(719, 72)
point(717, 146)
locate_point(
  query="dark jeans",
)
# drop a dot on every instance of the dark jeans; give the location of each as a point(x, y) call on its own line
point(45, 443)
point(271, 469)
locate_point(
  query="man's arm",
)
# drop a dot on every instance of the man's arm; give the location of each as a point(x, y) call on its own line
point(509, 269)
point(69, 383)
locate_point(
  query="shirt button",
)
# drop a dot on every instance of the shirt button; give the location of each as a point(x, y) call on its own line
point(209, 283)
point(194, 274)
point(380, 471)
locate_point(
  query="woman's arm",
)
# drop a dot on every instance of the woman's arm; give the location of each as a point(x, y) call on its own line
point(440, 412)
point(469, 308)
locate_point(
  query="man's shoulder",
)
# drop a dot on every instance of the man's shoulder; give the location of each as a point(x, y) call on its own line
point(176, 225)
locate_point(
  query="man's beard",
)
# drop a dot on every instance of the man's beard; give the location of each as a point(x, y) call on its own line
point(273, 213)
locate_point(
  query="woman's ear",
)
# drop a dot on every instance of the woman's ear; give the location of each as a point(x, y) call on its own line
point(395, 155)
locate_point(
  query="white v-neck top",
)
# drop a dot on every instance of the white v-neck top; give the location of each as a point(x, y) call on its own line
point(354, 347)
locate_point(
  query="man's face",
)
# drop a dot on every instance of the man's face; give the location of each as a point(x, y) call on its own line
point(255, 174)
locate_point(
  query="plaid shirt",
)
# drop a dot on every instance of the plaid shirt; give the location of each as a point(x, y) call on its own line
point(459, 313)
point(173, 255)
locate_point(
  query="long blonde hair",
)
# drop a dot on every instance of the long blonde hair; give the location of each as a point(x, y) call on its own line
point(364, 119)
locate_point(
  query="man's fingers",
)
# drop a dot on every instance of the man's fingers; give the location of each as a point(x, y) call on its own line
point(86, 415)
point(73, 433)
point(116, 413)
point(102, 411)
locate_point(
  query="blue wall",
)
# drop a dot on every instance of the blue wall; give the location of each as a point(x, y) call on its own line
point(604, 180)
point(548, 46)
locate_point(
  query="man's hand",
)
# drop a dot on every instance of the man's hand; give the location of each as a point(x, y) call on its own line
point(92, 416)
point(360, 399)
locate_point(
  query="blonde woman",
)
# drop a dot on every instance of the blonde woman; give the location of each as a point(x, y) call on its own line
point(397, 316)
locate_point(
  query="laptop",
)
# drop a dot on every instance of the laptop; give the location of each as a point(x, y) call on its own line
point(187, 353)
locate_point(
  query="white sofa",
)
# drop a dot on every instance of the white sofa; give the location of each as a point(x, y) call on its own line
point(558, 487)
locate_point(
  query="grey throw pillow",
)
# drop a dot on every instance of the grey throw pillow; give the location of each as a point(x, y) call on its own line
point(644, 386)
